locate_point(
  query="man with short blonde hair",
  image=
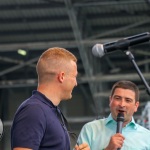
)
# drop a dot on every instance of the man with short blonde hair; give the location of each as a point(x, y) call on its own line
point(38, 123)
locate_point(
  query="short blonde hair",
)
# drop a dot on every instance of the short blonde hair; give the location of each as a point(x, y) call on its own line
point(52, 60)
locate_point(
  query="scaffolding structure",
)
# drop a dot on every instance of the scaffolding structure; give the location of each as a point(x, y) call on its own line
point(145, 117)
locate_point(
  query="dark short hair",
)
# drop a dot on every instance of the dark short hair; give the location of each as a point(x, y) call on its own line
point(126, 85)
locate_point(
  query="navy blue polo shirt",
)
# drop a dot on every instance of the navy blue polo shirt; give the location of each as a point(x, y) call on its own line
point(37, 126)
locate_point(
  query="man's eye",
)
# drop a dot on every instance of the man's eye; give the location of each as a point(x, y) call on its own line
point(117, 98)
point(128, 100)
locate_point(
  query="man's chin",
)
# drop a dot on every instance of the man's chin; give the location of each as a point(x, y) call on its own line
point(68, 98)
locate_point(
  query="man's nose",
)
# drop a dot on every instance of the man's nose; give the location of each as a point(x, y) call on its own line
point(122, 103)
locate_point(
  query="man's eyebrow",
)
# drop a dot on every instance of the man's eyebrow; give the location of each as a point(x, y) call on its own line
point(117, 96)
point(128, 98)
point(125, 97)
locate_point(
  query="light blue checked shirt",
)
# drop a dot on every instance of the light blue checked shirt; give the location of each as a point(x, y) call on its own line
point(98, 133)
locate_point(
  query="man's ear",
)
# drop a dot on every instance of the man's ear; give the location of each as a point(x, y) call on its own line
point(109, 100)
point(61, 76)
point(136, 106)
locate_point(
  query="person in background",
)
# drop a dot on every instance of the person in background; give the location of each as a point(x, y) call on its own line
point(101, 134)
point(38, 122)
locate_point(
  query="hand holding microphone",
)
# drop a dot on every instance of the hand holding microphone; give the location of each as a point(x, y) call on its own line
point(117, 139)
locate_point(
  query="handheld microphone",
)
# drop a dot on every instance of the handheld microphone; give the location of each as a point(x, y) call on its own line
point(120, 120)
point(100, 50)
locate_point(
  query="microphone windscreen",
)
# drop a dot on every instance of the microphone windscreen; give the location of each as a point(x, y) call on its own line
point(98, 50)
point(120, 117)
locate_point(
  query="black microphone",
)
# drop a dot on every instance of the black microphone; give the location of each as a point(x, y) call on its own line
point(100, 50)
point(120, 120)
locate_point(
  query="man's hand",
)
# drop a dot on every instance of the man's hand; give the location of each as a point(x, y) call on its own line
point(83, 146)
point(115, 142)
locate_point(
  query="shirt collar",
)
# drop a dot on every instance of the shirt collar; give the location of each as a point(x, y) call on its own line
point(109, 120)
point(43, 98)
point(112, 121)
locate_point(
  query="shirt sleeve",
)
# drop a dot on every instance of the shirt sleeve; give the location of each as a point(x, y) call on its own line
point(85, 135)
point(28, 127)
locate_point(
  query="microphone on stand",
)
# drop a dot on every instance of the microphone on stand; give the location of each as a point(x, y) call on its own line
point(100, 50)
point(120, 120)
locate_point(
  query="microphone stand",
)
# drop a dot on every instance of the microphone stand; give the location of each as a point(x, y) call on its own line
point(131, 57)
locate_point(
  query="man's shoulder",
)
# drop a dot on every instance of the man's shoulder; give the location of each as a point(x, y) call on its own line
point(29, 102)
point(143, 129)
point(31, 106)
point(96, 123)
